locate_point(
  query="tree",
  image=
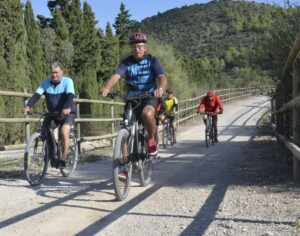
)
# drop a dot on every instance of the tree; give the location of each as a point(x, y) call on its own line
point(34, 48)
point(88, 60)
point(110, 53)
point(123, 25)
point(13, 63)
point(64, 48)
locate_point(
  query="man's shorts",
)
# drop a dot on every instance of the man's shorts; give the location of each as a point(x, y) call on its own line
point(53, 122)
point(139, 105)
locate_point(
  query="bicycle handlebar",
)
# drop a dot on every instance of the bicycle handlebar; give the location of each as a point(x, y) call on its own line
point(43, 113)
point(113, 95)
point(209, 113)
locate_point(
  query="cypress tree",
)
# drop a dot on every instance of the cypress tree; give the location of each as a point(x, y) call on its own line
point(64, 48)
point(123, 25)
point(75, 22)
point(33, 48)
point(89, 62)
point(89, 54)
point(110, 53)
point(13, 62)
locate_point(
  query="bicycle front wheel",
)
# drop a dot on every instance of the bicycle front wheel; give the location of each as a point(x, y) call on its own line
point(207, 137)
point(72, 157)
point(122, 167)
point(36, 159)
point(145, 162)
point(165, 137)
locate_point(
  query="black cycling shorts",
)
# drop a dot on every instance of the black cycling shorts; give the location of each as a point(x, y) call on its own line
point(139, 105)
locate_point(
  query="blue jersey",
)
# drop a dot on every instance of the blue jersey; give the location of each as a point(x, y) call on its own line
point(57, 94)
point(140, 75)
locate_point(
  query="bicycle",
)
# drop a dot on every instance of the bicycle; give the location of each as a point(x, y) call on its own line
point(130, 152)
point(38, 153)
point(209, 129)
point(167, 133)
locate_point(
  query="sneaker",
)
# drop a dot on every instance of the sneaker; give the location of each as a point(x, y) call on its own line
point(152, 148)
point(62, 164)
point(216, 140)
point(122, 176)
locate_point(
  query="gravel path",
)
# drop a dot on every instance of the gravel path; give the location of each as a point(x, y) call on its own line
point(240, 186)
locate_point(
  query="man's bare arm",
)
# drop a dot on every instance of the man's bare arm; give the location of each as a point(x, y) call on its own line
point(109, 84)
point(161, 86)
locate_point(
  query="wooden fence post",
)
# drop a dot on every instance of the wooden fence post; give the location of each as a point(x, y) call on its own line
point(186, 113)
point(78, 127)
point(27, 124)
point(112, 116)
point(296, 117)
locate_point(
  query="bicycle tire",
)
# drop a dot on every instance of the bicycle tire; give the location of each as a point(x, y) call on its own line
point(212, 136)
point(145, 162)
point(120, 164)
point(72, 157)
point(207, 136)
point(174, 137)
point(36, 158)
point(165, 136)
point(171, 136)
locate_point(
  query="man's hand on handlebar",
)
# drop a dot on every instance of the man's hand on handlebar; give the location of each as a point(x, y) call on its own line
point(26, 109)
point(158, 92)
point(104, 92)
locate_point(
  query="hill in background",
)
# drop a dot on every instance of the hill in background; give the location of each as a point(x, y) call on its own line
point(222, 42)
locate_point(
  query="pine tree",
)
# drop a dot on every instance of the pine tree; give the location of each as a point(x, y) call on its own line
point(63, 5)
point(123, 25)
point(34, 48)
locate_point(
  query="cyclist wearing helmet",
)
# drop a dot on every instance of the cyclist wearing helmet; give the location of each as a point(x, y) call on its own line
point(143, 74)
point(171, 108)
point(211, 103)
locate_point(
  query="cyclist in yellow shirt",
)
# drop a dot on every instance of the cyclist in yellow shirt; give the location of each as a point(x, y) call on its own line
point(171, 109)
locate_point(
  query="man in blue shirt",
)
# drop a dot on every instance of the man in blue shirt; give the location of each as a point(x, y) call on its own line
point(59, 93)
point(143, 74)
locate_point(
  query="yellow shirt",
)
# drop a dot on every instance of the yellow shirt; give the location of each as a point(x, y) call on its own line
point(170, 103)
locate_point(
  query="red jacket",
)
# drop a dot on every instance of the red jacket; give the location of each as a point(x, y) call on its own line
point(210, 106)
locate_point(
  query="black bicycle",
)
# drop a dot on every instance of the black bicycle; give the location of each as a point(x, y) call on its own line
point(167, 133)
point(38, 152)
point(130, 152)
point(209, 129)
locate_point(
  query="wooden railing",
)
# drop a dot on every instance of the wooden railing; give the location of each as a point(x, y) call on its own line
point(286, 104)
point(187, 111)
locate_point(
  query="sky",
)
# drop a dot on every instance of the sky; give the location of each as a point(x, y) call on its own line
point(107, 10)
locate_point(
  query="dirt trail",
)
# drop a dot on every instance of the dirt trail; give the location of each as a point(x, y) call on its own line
point(238, 187)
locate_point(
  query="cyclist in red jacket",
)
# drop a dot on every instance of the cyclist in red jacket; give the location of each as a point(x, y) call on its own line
point(211, 103)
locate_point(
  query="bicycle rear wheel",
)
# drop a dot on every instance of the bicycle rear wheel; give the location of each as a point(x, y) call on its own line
point(122, 167)
point(36, 159)
point(165, 136)
point(72, 157)
point(145, 162)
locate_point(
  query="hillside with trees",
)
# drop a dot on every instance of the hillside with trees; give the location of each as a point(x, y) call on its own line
point(223, 43)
